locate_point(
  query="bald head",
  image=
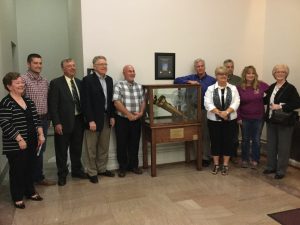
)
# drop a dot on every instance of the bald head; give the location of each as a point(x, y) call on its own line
point(129, 73)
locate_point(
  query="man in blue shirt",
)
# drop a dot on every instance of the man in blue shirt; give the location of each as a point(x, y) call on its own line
point(205, 80)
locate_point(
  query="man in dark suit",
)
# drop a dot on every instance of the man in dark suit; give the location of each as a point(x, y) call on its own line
point(65, 111)
point(98, 110)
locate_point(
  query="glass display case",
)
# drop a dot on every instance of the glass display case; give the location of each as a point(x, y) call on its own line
point(172, 104)
point(173, 114)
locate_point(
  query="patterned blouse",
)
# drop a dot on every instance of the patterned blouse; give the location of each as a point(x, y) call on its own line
point(13, 122)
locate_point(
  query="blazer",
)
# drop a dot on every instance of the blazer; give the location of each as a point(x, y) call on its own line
point(13, 122)
point(287, 94)
point(93, 100)
point(61, 103)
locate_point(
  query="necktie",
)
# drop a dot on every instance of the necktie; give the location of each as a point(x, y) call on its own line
point(75, 96)
point(222, 98)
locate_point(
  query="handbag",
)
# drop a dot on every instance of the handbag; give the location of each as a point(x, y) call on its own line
point(284, 118)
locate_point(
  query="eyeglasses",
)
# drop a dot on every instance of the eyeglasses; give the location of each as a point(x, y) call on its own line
point(101, 64)
point(221, 74)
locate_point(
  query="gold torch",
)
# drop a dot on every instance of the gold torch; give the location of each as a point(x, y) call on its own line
point(162, 102)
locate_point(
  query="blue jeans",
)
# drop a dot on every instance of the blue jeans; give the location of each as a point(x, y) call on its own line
point(38, 174)
point(251, 131)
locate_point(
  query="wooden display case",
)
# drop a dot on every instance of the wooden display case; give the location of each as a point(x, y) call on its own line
point(173, 114)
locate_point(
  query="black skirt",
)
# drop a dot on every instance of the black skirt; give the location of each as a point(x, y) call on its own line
point(222, 137)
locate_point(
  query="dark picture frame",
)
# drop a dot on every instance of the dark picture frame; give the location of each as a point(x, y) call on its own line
point(164, 66)
point(89, 71)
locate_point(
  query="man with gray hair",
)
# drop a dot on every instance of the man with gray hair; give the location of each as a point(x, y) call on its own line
point(98, 111)
point(205, 80)
point(66, 114)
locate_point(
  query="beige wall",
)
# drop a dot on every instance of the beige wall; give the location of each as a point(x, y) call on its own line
point(131, 31)
point(251, 32)
point(282, 35)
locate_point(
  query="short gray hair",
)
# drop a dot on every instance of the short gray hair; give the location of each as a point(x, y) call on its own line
point(96, 58)
point(221, 69)
point(65, 61)
point(281, 66)
point(198, 60)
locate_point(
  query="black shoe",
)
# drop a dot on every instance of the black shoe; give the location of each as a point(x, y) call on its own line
point(107, 173)
point(215, 169)
point(205, 163)
point(225, 170)
point(267, 171)
point(136, 171)
point(93, 179)
point(35, 197)
point(122, 173)
point(62, 181)
point(80, 175)
point(20, 205)
point(278, 176)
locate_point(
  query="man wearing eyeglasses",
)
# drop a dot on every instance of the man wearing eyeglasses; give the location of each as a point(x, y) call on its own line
point(98, 110)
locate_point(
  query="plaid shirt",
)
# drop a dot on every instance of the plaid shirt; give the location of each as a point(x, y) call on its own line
point(36, 88)
point(131, 95)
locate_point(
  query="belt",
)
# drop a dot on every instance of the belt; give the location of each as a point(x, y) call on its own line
point(43, 116)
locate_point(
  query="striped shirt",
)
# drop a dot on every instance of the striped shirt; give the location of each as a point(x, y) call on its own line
point(131, 95)
point(36, 88)
point(13, 122)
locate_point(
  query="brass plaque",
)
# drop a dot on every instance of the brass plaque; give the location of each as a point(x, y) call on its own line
point(177, 133)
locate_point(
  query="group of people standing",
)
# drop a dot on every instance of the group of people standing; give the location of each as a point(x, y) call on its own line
point(230, 102)
point(82, 113)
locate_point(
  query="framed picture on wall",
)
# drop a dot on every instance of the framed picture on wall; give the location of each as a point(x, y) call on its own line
point(164, 66)
point(89, 71)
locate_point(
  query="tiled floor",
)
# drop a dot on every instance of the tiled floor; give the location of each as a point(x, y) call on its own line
point(180, 195)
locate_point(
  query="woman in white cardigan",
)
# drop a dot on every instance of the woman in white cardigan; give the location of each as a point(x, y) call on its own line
point(221, 102)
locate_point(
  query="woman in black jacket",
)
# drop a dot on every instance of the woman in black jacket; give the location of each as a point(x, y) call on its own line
point(280, 96)
point(22, 136)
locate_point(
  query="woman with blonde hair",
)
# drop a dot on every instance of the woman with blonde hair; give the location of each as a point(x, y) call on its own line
point(221, 101)
point(250, 115)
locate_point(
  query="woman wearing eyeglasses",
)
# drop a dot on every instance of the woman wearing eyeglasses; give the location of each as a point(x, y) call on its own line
point(22, 136)
point(280, 96)
point(221, 102)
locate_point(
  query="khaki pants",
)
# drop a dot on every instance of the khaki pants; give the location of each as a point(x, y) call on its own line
point(96, 147)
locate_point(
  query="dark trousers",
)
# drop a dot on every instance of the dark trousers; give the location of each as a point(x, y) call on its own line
point(221, 136)
point(73, 142)
point(21, 166)
point(235, 140)
point(278, 147)
point(128, 135)
point(38, 174)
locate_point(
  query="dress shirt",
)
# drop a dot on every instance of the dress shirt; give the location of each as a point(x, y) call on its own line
point(36, 88)
point(104, 87)
point(130, 94)
point(70, 88)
